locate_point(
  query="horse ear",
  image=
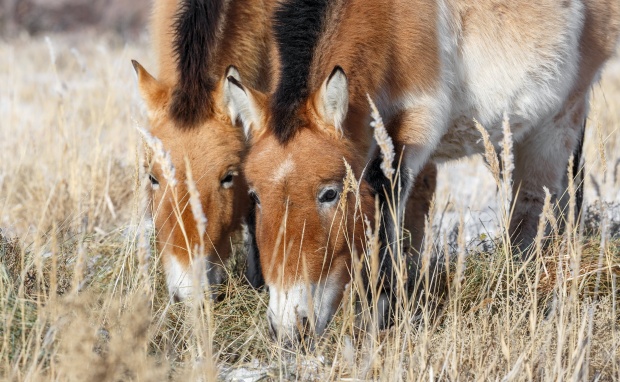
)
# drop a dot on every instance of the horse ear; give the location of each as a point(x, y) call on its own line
point(244, 104)
point(233, 72)
point(333, 99)
point(152, 91)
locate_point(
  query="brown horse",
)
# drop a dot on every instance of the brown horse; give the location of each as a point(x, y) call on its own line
point(431, 67)
point(196, 41)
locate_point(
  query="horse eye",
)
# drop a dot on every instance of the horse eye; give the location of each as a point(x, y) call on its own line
point(227, 181)
point(154, 181)
point(328, 195)
point(254, 197)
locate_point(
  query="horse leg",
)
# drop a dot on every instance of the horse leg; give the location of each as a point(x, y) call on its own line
point(419, 203)
point(541, 160)
point(417, 130)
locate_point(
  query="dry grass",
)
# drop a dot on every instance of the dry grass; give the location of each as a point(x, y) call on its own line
point(81, 299)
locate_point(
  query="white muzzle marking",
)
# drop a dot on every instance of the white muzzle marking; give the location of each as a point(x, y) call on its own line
point(288, 307)
point(181, 279)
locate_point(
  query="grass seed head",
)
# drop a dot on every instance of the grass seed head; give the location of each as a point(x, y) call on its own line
point(160, 155)
point(383, 139)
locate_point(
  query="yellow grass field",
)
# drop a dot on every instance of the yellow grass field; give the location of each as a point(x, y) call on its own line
point(82, 298)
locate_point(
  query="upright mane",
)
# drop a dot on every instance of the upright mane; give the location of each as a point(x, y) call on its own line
point(196, 34)
point(297, 28)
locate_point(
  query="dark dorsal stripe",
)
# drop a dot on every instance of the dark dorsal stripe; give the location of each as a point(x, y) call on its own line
point(297, 28)
point(195, 38)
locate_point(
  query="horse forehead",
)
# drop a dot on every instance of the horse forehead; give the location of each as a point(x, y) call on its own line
point(298, 160)
point(283, 169)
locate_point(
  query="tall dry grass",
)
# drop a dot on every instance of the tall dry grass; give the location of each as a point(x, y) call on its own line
point(82, 295)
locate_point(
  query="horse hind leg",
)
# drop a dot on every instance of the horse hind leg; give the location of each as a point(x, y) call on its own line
point(578, 174)
point(541, 160)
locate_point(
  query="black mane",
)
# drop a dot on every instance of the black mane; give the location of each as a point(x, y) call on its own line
point(297, 28)
point(195, 37)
